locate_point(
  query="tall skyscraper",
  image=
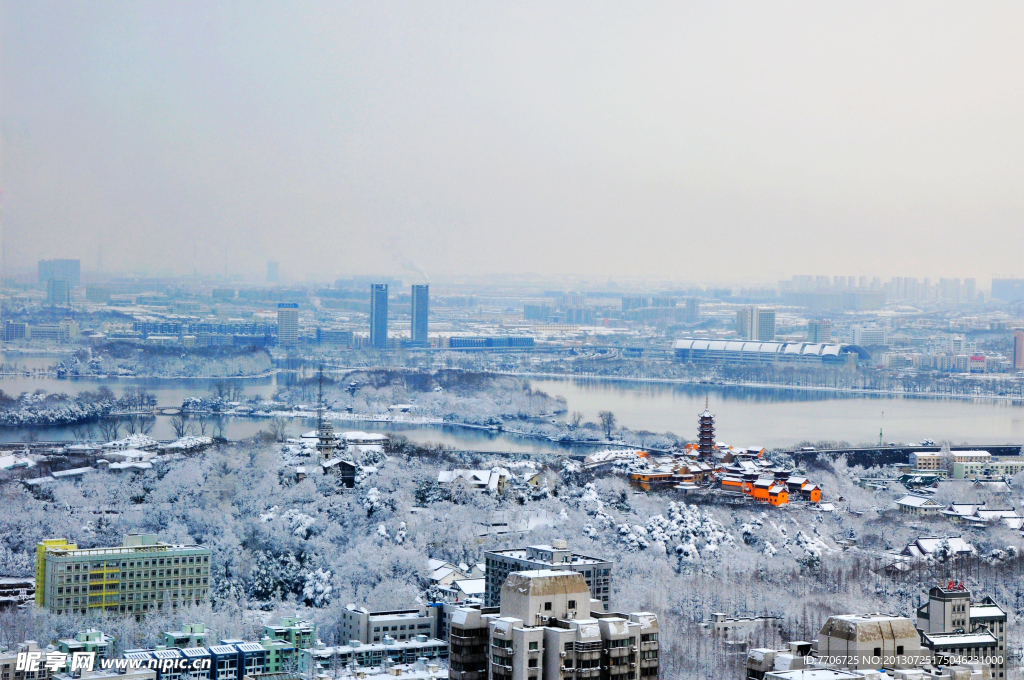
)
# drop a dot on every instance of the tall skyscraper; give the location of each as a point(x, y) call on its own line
point(70, 270)
point(273, 272)
point(287, 324)
point(1018, 350)
point(379, 315)
point(58, 292)
point(420, 314)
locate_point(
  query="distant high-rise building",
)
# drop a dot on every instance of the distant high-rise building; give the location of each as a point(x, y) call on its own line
point(631, 302)
point(572, 299)
point(273, 272)
point(869, 336)
point(288, 324)
point(819, 331)
point(420, 314)
point(765, 317)
point(1008, 290)
point(745, 322)
point(536, 312)
point(58, 292)
point(969, 290)
point(754, 323)
point(1018, 350)
point(692, 310)
point(69, 270)
point(100, 294)
point(584, 316)
point(379, 315)
point(949, 290)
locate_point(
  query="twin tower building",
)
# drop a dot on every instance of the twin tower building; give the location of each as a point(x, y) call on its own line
point(379, 315)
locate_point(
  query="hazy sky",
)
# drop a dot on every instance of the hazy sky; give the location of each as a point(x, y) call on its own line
point(699, 141)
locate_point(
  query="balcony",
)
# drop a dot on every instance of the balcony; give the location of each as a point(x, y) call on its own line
point(467, 675)
point(457, 635)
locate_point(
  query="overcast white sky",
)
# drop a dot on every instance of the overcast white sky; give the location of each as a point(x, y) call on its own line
point(700, 141)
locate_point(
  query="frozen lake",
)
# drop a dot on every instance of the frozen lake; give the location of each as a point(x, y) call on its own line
point(746, 416)
point(772, 417)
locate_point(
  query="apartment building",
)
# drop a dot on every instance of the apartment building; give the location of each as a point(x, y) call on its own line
point(301, 634)
point(190, 635)
point(90, 640)
point(556, 557)
point(357, 623)
point(195, 646)
point(955, 627)
point(988, 468)
point(9, 663)
point(546, 630)
point(927, 460)
point(142, 574)
point(229, 660)
point(373, 655)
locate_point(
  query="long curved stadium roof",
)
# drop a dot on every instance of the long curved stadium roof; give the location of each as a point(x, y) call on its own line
point(805, 349)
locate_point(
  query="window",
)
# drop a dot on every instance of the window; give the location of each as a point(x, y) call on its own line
point(899, 650)
point(878, 651)
point(568, 646)
point(547, 606)
point(531, 663)
point(533, 646)
point(572, 604)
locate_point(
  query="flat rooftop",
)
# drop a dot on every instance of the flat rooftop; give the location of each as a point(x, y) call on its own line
point(521, 554)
